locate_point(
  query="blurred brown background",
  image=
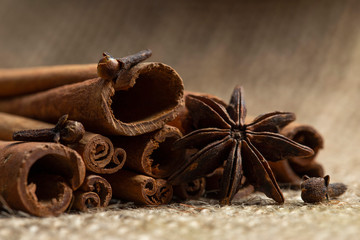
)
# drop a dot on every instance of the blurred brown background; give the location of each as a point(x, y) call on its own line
point(299, 56)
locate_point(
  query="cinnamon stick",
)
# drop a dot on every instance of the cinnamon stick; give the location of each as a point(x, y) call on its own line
point(190, 191)
point(289, 172)
point(39, 178)
point(95, 192)
point(140, 189)
point(151, 153)
point(14, 82)
point(96, 150)
point(143, 99)
point(99, 154)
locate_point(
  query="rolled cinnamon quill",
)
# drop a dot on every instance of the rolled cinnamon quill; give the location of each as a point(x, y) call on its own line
point(95, 192)
point(39, 178)
point(99, 154)
point(140, 189)
point(143, 99)
point(151, 153)
point(96, 150)
point(290, 171)
point(14, 82)
point(190, 191)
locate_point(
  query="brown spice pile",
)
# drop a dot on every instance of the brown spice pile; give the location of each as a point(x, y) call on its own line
point(134, 135)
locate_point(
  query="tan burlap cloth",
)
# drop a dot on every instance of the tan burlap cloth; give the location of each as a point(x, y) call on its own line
point(299, 56)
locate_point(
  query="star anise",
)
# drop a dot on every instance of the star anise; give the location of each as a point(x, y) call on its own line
point(223, 138)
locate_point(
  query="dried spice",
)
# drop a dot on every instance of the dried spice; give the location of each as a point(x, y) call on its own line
point(39, 178)
point(318, 189)
point(223, 135)
point(110, 68)
point(151, 153)
point(65, 131)
point(96, 150)
point(140, 189)
point(141, 100)
point(15, 82)
point(95, 192)
point(99, 154)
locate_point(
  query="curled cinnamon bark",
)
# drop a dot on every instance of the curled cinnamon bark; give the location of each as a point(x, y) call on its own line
point(99, 154)
point(190, 191)
point(290, 171)
point(39, 178)
point(96, 150)
point(95, 192)
point(140, 189)
point(151, 153)
point(16, 82)
point(142, 100)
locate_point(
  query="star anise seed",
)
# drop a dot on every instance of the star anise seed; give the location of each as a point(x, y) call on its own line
point(223, 137)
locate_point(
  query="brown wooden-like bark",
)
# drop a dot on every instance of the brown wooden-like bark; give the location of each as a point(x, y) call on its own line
point(96, 150)
point(99, 154)
point(14, 82)
point(142, 100)
point(140, 189)
point(95, 192)
point(190, 191)
point(151, 153)
point(39, 178)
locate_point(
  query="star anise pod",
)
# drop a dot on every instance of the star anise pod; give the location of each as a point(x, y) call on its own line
point(222, 136)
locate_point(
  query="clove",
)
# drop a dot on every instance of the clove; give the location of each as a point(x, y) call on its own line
point(318, 189)
point(65, 131)
point(110, 67)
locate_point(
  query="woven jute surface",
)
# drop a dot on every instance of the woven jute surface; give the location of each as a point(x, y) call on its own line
point(298, 56)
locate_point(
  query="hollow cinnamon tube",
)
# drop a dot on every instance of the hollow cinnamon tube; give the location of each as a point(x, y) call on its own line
point(39, 178)
point(140, 189)
point(289, 171)
point(96, 150)
point(95, 192)
point(190, 191)
point(151, 153)
point(143, 99)
point(15, 82)
point(99, 154)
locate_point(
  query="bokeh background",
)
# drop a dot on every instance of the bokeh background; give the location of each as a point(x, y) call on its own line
point(298, 56)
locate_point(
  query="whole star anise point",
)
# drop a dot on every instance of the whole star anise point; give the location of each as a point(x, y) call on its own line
point(222, 136)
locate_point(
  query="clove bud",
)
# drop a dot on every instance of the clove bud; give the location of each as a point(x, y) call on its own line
point(318, 189)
